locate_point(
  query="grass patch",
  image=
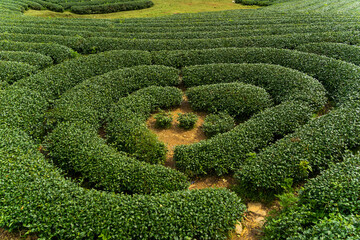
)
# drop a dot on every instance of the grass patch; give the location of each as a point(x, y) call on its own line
point(161, 8)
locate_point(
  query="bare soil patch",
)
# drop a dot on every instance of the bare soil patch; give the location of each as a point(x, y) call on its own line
point(6, 235)
point(175, 135)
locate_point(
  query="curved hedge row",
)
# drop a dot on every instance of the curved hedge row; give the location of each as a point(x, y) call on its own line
point(35, 59)
point(283, 84)
point(90, 101)
point(11, 71)
point(226, 152)
point(277, 41)
point(327, 207)
point(341, 51)
point(24, 109)
point(29, 182)
point(309, 149)
point(237, 99)
point(327, 70)
point(126, 126)
point(77, 148)
point(57, 52)
point(55, 80)
point(112, 7)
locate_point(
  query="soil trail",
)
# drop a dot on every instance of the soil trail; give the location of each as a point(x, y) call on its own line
point(177, 136)
point(250, 227)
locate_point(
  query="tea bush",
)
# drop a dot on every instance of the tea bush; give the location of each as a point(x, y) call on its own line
point(126, 126)
point(216, 123)
point(91, 100)
point(237, 99)
point(112, 7)
point(341, 51)
point(187, 120)
point(226, 152)
point(54, 81)
point(283, 84)
point(57, 52)
point(327, 207)
point(29, 182)
point(77, 148)
point(314, 146)
point(24, 109)
point(31, 58)
point(11, 71)
point(163, 119)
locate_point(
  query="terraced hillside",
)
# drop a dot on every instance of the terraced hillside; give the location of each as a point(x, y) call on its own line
point(79, 162)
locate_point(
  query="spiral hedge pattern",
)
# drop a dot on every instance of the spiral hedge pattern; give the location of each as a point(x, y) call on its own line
point(62, 81)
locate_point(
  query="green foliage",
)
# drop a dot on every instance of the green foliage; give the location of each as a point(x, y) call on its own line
point(91, 100)
point(163, 119)
point(112, 7)
point(24, 109)
point(216, 123)
point(327, 70)
point(11, 71)
point(227, 152)
point(283, 84)
point(256, 2)
point(326, 208)
point(314, 146)
point(54, 81)
point(238, 99)
point(126, 126)
point(187, 120)
point(30, 182)
point(57, 52)
point(341, 51)
point(77, 148)
point(35, 59)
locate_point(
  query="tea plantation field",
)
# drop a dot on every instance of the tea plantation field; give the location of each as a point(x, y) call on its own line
point(288, 73)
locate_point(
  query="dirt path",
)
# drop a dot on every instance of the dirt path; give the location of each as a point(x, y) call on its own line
point(250, 227)
point(177, 136)
point(5, 235)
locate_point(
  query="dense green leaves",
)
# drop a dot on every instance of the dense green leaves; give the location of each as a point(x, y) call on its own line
point(29, 182)
point(227, 152)
point(238, 99)
point(126, 126)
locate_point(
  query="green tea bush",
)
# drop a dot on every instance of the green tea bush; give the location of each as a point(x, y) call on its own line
point(341, 51)
point(77, 43)
point(283, 84)
point(24, 109)
point(187, 120)
point(216, 123)
point(255, 2)
point(57, 52)
point(327, 70)
point(35, 59)
point(238, 99)
point(49, 5)
point(77, 148)
point(326, 208)
point(126, 126)
point(55, 80)
point(289, 41)
point(30, 182)
point(91, 100)
point(311, 148)
point(112, 7)
point(163, 119)
point(12, 71)
point(226, 152)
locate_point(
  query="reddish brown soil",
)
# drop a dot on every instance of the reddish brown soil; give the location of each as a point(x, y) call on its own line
point(175, 135)
point(5, 235)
